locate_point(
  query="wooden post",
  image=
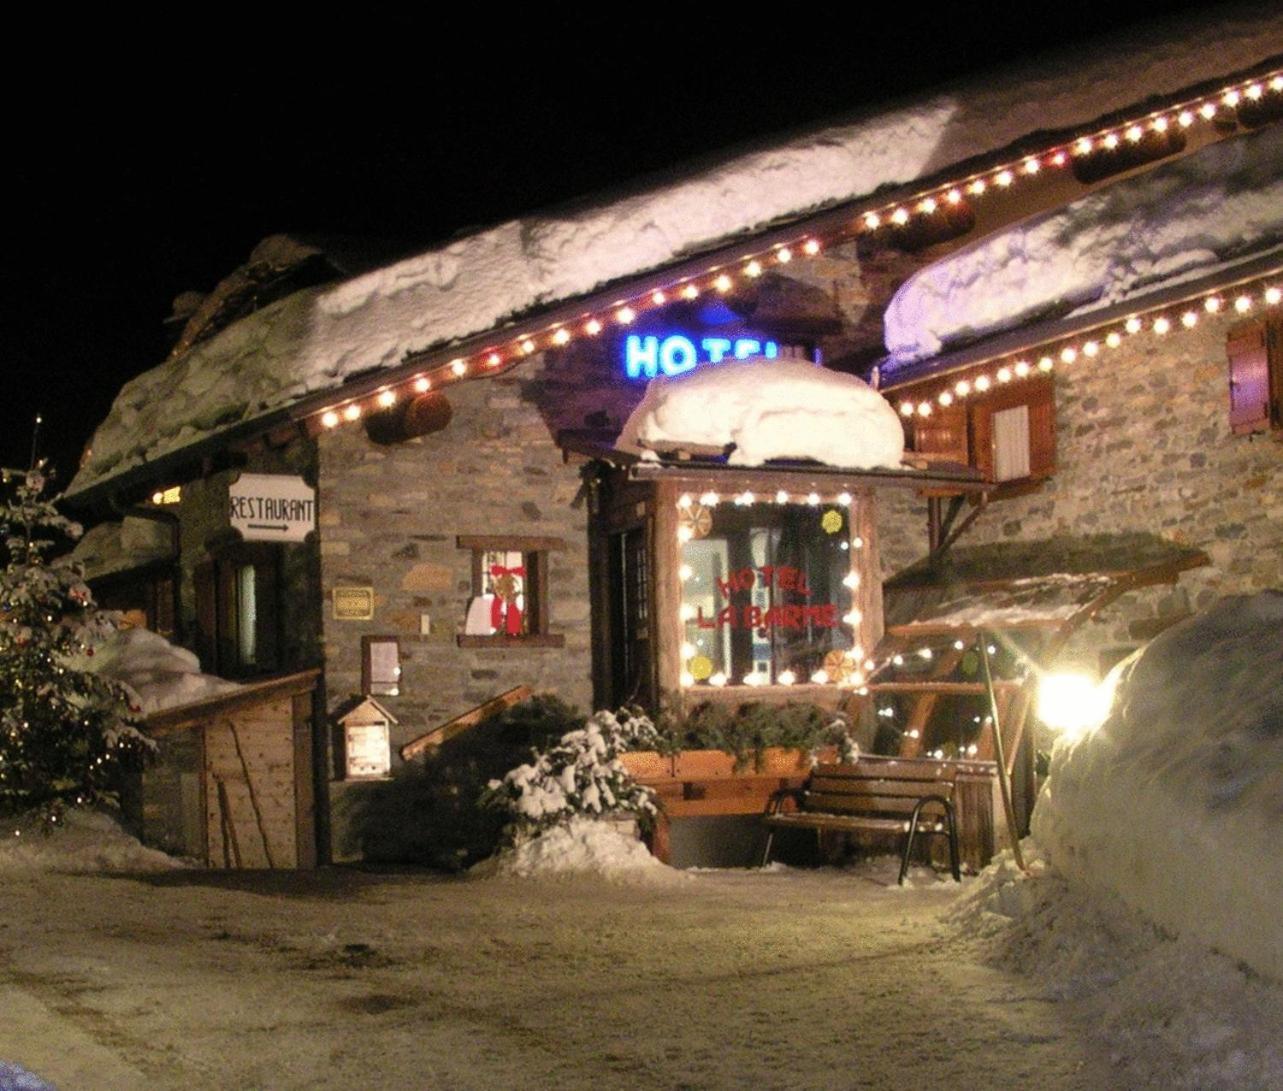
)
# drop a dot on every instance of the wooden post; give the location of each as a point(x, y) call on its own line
point(1003, 781)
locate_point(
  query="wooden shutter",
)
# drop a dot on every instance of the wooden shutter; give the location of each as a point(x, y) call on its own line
point(226, 652)
point(267, 620)
point(1247, 346)
point(1038, 394)
point(943, 434)
point(1042, 430)
point(206, 616)
point(982, 438)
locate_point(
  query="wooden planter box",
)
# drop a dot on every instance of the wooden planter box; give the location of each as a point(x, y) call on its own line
point(701, 783)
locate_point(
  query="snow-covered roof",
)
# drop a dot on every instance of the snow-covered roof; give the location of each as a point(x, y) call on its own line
point(1177, 222)
point(317, 339)
point(1035, 601)
point(1010, 584)
point(133, 542)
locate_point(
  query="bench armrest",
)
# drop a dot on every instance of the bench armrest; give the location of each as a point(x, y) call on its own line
point(780, 795)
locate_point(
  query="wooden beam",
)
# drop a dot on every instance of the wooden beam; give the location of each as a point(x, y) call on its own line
point(941, 689)
point(464, 722)
point(223, 704)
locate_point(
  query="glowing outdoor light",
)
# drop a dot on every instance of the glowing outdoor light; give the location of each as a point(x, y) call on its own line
point(1074, 704)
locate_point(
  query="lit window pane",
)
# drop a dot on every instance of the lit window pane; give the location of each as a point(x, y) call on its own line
point(503, 580)
point(764, 592)
point(1011, 444)
point(246, 616)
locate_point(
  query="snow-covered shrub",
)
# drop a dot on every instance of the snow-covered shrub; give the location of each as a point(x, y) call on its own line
point(580, 775)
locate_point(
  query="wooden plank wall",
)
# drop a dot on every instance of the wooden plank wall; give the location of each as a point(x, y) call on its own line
point(251, 786)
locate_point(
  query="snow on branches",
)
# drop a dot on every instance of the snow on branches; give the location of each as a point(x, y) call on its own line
point(64, 731)
point(580, 775)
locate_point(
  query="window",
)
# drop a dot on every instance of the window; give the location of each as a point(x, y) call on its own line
point(767, 594)
point(1008, 434)
point(145, 598)
point(237, 611)
point(509, 602)
point(1255, 351)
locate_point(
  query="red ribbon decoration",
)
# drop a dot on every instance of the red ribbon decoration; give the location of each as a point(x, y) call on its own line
point(505, 615)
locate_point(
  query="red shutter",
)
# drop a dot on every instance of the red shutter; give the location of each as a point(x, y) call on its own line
point(1039, 395)
point(1042, 431)
point(1249, 360)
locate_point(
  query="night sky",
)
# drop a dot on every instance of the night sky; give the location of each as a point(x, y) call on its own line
point(138, 176)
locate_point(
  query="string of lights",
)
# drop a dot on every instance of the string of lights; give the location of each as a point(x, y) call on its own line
point(721, 279)
point(1263, 292)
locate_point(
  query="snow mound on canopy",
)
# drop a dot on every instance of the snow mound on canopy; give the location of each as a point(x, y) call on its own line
point(769, 409)
point(1179, 220)
point(582, 846)
point(1176, 803)
point(160, 674)
point(85, 841)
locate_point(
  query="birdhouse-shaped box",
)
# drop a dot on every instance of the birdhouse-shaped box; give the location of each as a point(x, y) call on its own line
point(367, 750)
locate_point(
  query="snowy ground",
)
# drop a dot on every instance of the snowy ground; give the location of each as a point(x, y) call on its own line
point(781, 978)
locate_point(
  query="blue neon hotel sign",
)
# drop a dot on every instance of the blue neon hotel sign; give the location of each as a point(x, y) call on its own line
point(648, 355)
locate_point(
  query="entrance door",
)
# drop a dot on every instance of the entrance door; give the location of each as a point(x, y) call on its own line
point(631, 659)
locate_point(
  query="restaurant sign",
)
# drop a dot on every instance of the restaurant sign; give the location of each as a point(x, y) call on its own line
point(271, 507)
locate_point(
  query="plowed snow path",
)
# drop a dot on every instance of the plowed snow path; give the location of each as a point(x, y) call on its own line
point(346, 980)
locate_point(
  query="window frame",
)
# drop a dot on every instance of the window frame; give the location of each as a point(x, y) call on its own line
point(1254, 354)
point(218, 615)
point(534, 550)
point(742, 526)
point(964, 431)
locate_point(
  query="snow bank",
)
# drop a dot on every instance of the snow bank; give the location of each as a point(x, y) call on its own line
point(769, 409)
point(1169, 1012)
point(1176, 803)
point(159, 674)
point(581, 846)
point(86, 841)
point(1182, 219)
point(316, 339)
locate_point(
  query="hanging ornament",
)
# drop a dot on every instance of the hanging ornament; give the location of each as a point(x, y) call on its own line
point(697, 520)
point(838, 666)
point(700, 667)
point(505, 614)
point(831, 521)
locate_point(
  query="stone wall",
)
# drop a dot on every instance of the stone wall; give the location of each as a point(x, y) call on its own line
point(203, 524)
point(1143, 444)
point(390, 516)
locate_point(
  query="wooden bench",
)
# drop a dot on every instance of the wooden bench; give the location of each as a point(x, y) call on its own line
point(908, 798)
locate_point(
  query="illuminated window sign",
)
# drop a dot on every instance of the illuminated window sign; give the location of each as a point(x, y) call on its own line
point(646, 356)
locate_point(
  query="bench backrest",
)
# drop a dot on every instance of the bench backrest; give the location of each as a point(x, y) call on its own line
point(887, 788)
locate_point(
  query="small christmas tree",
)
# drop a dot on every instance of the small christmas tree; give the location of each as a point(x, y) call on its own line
point(64, 731)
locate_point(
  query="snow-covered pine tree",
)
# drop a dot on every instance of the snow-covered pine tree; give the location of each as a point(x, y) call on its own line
point(64, 731)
